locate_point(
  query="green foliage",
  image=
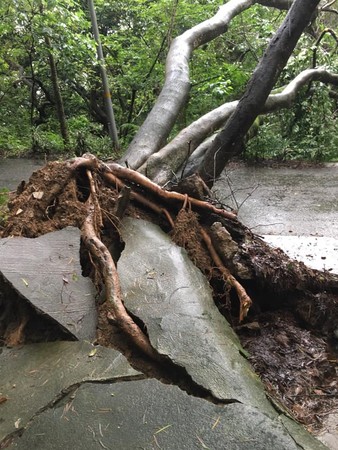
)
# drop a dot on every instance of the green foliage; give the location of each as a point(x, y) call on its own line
point(307, 131)
point(136, 35)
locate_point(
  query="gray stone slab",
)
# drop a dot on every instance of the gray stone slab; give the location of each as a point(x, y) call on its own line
point(149, 415)
point(170, 295)
point(46, 272)
point(301, 437)
point(36, 376)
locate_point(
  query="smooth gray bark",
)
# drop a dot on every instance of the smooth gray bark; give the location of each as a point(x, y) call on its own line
point(229, 141)
point(161, 166)
point(155, 130)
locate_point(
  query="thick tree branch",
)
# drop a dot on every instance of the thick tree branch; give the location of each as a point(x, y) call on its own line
point(155, 130)
point(229, 141)
point(157, 126)
point(161, 166)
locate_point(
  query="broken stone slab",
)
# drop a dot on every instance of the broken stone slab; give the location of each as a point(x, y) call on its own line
point(35, 377)
point(46, 273)
point(171, 296)
point(149, 415)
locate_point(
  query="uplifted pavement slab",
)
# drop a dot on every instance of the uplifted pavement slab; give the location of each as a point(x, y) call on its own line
point(171, 296)
point(34, 377)
point(46, 273)
point(149, 415)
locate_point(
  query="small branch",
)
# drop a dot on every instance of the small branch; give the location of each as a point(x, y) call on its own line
point(244, 300)
point(315, 48)
point(327, 5)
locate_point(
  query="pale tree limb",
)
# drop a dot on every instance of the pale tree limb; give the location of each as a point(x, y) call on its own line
point(159, 122)
point(155, 130)
point(162, 165)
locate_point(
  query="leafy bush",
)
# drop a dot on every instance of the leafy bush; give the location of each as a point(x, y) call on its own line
point(307, 131)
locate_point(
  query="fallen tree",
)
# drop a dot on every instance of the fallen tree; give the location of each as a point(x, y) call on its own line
point(248, 278)
point(246, 275)
point(94, 196)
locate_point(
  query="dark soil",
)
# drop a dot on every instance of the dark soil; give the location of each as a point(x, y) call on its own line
point(289, 332)
point(297, 366)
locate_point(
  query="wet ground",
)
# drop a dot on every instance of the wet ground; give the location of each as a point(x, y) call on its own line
point(283, 201)
point(13, 171)
point(295, 208)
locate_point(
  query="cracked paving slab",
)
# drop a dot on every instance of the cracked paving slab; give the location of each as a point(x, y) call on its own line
point(150, 415)
point(36, 376)
point(171, 296)
point(46, 273)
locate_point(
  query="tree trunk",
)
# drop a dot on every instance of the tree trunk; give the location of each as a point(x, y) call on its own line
point(229, 141)
point(57, 95)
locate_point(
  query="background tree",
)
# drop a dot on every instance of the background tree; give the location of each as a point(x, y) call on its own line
point(136, 36)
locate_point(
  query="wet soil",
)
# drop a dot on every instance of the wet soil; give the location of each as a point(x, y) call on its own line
point(298, 366)
point(296, 361)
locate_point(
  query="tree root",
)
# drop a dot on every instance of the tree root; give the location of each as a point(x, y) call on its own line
point(168, 196)
point(112, 179)
point(117, 312)
point(267, 273)
point(244, 300)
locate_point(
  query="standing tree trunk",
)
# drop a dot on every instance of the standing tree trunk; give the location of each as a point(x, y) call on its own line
point(229, 141)
point(57, 95)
